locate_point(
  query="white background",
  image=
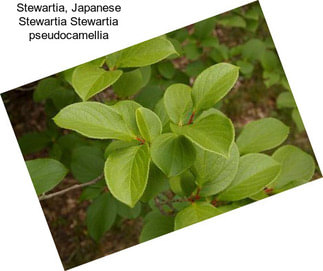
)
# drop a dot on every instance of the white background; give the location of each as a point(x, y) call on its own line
point(283, 232)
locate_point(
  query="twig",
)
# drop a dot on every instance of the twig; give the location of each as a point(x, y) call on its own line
point(76, 186)
point(26, 88)
point(159, 206)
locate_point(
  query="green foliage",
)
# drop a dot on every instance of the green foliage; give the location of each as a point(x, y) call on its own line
point(131, 82)
point(46, 174)
point(286, 100)
point(172, 154)
point(33, 142)
point(126, 173)
point(261, 135)
point(101, 215)
point(213, 132)
point(178, 103)
point(196, 212)
point(150, 121)
point(213, 172)
point(89, 80)
point(213, 84)
point(233, 21)
point(255, 172)
point(156, 225)
point(296, 165)
point(298, 120)
point(87, 163)
point(127, 212)
point(94, 120)
point(142, 54)
point(184, 184)
point(166, 69)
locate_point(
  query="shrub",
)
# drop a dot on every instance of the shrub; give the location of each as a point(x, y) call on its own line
point(175, 162)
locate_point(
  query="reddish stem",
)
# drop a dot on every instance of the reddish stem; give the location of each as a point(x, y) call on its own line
point(195, 197)
point(190, 121)
point(268, 190)
point(214, 202)
point(142, 141)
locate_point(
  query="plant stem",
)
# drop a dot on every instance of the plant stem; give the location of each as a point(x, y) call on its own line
point(76, 186)
point(190, 121)
point(142, 141)
point(159, 206)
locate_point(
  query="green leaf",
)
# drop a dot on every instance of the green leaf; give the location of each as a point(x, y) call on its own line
point(66, 144)
point(255, 172)
point(127, 212)
point(298, 120)
point(290, 185)
point(210, 42)
point(68, 75)
point(101, 215)
point(142, 54)
point(252, 25)
point(173, 154)
point(253, 49)
point(45, 173)
point(63, 97)
point(192, 51)
point(126, 173)
point(157, 182)
point(246, 68)
point(204, 28)
point(156, 225)
point(89, 80)
point(33, 142)
point(118, 145)
point(99, 62)
point(166, 69)
point(262, 135)
point(213, 84)
point(235, 51)
point(180, 34)
point(269, 61)
point(129, 83)
point(213, 132)
point(285, 100)
point(178, 103)
point(194, 68)
point(93, 191)
point(297, 165)
point(271, 78)
point(162, 114)
point(233, 21)
point(234, 205)
point(87, 163)
point(285, 84)
point(148, 123)
point(178, 48)
point(94, 120)
point(149, 96)
point(127, 110)
point(259, 195)
point(183, 184)
point(220, 53)
point(46, 88)
point(197, 212)
point(252, 13)
point(213, 172)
